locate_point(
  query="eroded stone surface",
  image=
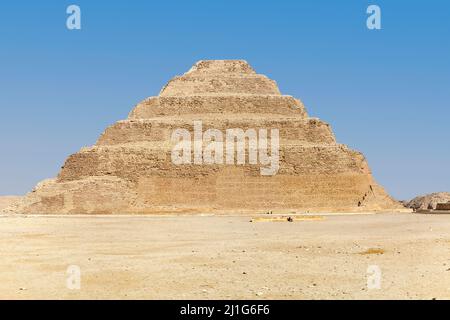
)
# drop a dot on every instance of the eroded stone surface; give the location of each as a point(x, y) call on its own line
point(129, 170)
point(429, 201)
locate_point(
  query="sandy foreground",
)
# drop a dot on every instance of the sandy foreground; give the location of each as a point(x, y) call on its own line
point(225, 257)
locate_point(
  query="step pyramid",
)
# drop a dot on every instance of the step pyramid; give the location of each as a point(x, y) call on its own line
point(130, 169)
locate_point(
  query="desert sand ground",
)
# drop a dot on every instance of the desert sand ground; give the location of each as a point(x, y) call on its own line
point(225, 257)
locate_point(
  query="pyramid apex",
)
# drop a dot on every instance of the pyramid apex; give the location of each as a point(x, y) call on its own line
point(222, 66)
point(220, 77)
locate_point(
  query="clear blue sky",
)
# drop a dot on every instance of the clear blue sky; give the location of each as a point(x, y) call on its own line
point(386, 92)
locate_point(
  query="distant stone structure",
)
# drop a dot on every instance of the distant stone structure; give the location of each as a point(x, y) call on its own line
point(429, 201)
point(443, 206)
point(129, 169)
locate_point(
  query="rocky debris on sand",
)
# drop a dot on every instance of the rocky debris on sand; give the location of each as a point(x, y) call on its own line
point(429, 201)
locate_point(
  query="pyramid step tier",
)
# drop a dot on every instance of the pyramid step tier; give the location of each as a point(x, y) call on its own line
point(161, 129)
point(189, 84)
point(221, 67)
point(133, 161)
point(219, 104)
point(231, 190)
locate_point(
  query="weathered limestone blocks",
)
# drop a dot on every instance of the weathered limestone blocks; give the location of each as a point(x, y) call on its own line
point(213, 85)
point(219, 104)
point(160, 129)
point(130, 168)
point(93, 195)
point(232, 189)
point(130, 162)
point(221, 67)
point(219, 78)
